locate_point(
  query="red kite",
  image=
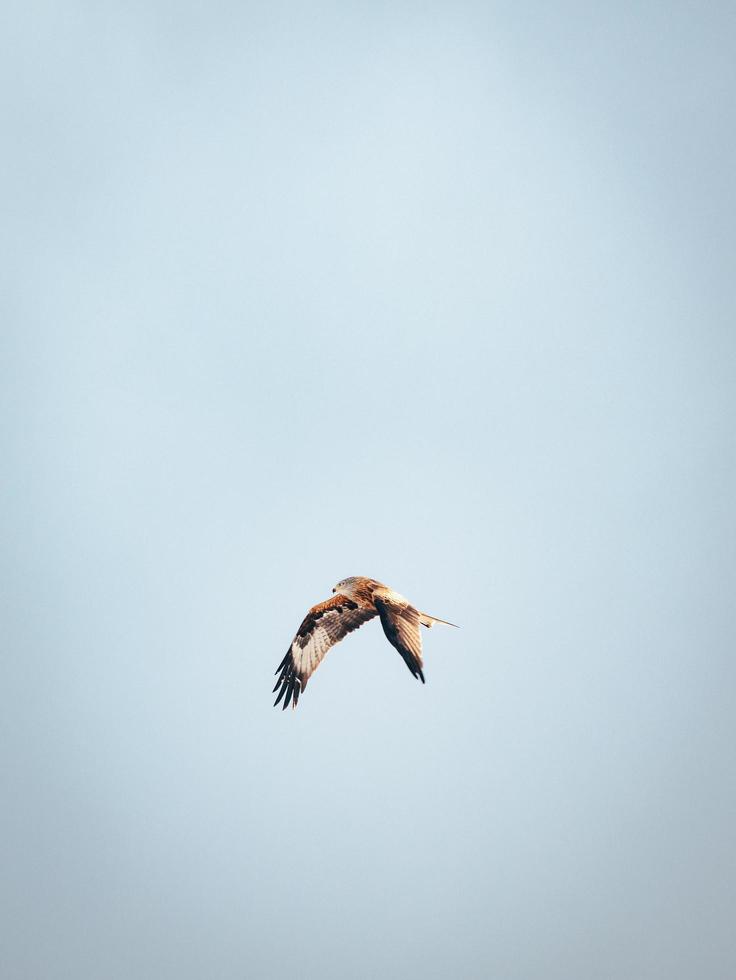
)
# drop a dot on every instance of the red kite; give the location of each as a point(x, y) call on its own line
point(357, 600)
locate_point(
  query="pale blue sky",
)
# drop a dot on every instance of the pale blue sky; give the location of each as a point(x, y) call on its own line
point(437, 293)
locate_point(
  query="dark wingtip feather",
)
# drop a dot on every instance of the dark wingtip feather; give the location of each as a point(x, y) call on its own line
point(291, 683)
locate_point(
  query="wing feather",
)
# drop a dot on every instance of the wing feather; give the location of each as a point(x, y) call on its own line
point(324, 625)
point(400, 623)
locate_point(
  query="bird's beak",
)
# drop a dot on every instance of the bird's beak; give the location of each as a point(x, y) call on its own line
point(334, 590)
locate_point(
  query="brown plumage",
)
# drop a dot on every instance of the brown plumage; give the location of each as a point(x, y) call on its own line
point(357, 600)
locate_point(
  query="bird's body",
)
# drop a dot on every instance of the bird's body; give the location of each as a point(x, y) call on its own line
point(356, 600)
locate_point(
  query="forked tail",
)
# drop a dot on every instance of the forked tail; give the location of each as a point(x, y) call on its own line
point(426, 620)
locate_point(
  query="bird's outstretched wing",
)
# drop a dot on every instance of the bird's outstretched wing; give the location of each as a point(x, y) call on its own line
point(400, 623)
point(324, 625)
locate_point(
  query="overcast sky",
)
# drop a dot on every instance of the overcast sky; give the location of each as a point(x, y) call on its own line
point(441, 294)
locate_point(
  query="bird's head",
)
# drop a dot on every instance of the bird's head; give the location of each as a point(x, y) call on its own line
point(347, 586)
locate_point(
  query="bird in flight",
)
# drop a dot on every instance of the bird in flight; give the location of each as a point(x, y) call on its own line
point(356, 600)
